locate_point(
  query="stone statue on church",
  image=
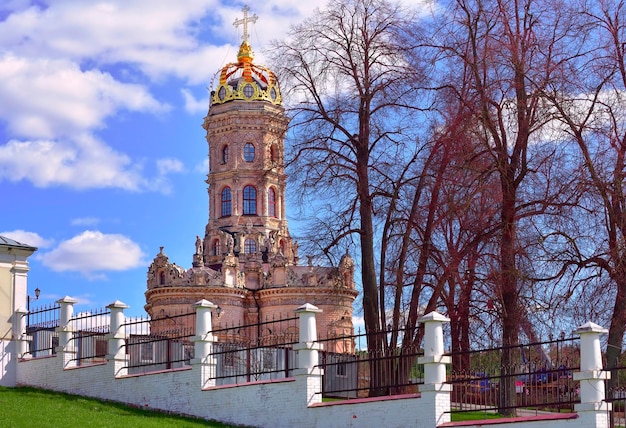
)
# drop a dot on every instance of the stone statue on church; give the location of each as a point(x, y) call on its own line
point(199, 245)
point(230, 243)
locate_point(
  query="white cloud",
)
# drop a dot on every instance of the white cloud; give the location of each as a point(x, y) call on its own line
point(85, 221)
point(192, 105)
point(54, 107)
point(169, 165)
point(92, 253)
point(136, 32)
point(155, 36)
point(203, 167)
point(56, 93)
point(80, 164)
point(28, 238)
point(44, 98)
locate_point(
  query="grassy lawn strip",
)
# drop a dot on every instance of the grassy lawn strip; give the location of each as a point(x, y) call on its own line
point(30, 407)
point(473, 416)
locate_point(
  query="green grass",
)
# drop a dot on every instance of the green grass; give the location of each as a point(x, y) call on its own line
point(473, 416)
point(30, 407)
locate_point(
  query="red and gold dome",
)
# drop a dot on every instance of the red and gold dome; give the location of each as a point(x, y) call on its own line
point(246, 81)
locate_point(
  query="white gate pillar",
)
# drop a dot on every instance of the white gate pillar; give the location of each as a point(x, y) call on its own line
point(116, 339)
point(67, 347)
point(307, 372)
point(592, 410)
point(434, 389)
point(204, 359)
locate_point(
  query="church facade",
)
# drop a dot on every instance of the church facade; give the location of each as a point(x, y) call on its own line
point(247, 263)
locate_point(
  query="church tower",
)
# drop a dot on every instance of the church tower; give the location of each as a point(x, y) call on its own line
point(246, 127)
point(247, 262)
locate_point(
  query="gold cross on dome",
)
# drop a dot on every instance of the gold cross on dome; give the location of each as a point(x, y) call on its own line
point(245, 21)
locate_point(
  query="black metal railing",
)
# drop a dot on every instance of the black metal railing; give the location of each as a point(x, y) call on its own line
point(162, 343)
point(89, 341)
point(355, 373)
point(41, 324)
point(615, 392)
point(541, 375)
point(255, 352)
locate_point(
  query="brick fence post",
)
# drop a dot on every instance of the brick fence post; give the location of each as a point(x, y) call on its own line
point(204, 360)
point(116, 355)
point(67, 348)
point(434, 389)
point(592, 410)
point(308, 374)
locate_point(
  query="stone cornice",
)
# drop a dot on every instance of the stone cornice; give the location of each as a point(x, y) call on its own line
point(291, 290)
point(193, 290)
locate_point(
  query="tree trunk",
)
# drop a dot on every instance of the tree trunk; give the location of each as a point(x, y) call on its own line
point(509, 300)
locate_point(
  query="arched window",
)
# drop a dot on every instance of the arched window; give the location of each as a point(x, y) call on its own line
point(217, 249)
point(248, 152)
point(162, 278)
point(249, 200)
point(225, 154)
point(271, 202)
point(227, 202)
point(249, 246)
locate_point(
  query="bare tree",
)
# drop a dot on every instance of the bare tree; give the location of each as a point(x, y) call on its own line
point(506, 52)
point(353, 124)
point(590, 104)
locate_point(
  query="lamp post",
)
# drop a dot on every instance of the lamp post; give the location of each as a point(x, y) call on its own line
point(28, 299)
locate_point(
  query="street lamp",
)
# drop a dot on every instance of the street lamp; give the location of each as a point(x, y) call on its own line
point(29, 298)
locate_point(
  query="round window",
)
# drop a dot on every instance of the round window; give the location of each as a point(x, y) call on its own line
point(221, 93)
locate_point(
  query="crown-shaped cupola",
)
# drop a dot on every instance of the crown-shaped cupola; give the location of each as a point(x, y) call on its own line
point(245, 80)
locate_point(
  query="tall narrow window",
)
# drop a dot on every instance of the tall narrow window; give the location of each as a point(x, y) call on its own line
point(225, 154)
point(227, 202)
point(271, 202)
point(248, 152)
point(249, 200)
point(217, 250)
point(249, 246)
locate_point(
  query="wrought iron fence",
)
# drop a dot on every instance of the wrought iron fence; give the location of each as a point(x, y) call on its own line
point(162, 343)
point(615, 388)
point(41, 324)
point(89, 336)
point(255, 352)
point(352, 373)
point(542, 375)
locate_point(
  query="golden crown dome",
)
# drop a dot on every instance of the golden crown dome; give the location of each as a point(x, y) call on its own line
point(244, 80)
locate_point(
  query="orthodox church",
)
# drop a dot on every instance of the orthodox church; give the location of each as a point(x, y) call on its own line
point(246, 262)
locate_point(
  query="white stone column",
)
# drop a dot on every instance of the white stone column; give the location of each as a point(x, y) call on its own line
point(204, 360)
point(592, 410)
point(308, 375)
point(116, 355)
point(20, 333)
point(434, 389)
point(67, 347)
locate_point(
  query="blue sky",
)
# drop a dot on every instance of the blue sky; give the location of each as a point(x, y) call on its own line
point(102, 154)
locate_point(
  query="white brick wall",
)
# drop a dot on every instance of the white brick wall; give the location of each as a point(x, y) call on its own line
point(275, 404)
point(287, 403)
